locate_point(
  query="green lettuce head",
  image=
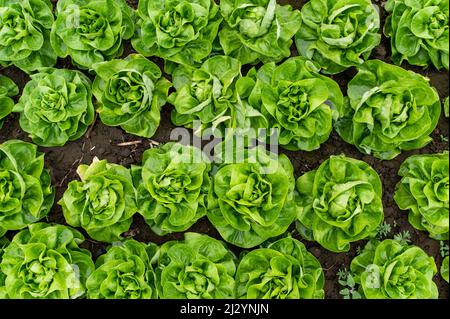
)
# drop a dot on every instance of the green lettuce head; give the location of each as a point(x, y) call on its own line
point(124, 272)
point(91, 31)
point(424, 192)
point(177, 30)
point(130, 93)
point(419, 31)
point(295, 99)
point(8, 89)
point(340, 203)
point(199, 267)
point(338, 34)
point(25, 34)
point(26, 193)
point(258, 30)
point(103, 202)
point(56, 106)
point(206, 94)
point(388, 110)
point(254, 199)
point(283, 270)
point(444, 269)
point(46, 262)
point(391, 270)
point(172, 185)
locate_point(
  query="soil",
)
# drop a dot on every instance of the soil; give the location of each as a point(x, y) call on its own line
point(103, 142)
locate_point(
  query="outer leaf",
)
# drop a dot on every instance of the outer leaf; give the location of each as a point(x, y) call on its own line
point(8, 89)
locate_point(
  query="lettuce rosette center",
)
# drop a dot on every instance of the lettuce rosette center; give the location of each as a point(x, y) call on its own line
point(11, 191)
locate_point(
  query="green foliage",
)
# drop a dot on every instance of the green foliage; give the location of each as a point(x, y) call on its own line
point(338, 34)
point(45, 262)
point(103, 202)
point(391, 270)
point(340, 203)
point(383, 230)
point(258, 30)
point(26, 193)
point(56, 106)
point(424, 192)
point(131, 93)
point(206, 94)
point(349, 287)
point(283, 270)
point(173, 185)
point(25, 34)
point(294, 98)
point(403, 237)
point(443, 249)
point(444, 269)
point(178, 30)
point(199, 267)
point(419, 31)
point(124, 272)
point(388, 110)
point(254, 199)
point(8, 89)
point(91, 31)
point(446, 107)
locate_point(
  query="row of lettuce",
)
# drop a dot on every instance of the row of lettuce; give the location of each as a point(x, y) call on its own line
point(250, 203)
point(336, 34)
point(387, 110)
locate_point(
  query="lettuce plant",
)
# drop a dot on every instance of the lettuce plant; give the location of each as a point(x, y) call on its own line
point(282, 270)
point(258, 30)
point(295, 99)
point(338, 34)
point(199, 267)
point(253, 200)
point(206, 94)
point(25, 34)
point(444, 269)
point(446, 107)
point(26, 193)
point(424, 192)
point(388, 110)
point(124, 272)
point(103, 202)
point(340, 203)
point(172, 185)
point(56, 106)
point(8, 89)
point(91, 31)
point(130, 93)
point(419, 31)
point(391, 270)
point(180, 31)
point(46, 262)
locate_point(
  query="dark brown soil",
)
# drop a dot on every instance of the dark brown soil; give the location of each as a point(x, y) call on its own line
point(102, 142)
